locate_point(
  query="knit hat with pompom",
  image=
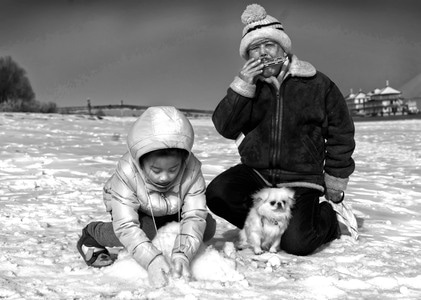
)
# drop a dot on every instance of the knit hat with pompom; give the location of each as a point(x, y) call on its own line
point(259, 25)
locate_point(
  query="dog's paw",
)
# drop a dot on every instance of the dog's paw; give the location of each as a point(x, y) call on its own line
point(273, 250)
point(240, 246)
point(258, 250)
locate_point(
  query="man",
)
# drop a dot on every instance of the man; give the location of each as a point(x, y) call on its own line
point(292, 128)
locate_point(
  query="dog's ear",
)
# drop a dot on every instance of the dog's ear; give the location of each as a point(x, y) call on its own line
point(290, 194)
point(264, 193)
point(257, 200)
point(291, 200)
point(260, 195)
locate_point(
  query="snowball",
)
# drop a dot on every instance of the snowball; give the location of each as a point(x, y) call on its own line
point(274, 261)
point(229, 249)
point(404, 290)
point(209, 264)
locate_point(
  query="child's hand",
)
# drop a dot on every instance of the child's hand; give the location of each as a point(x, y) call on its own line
point(158, 272)
point(181, 269)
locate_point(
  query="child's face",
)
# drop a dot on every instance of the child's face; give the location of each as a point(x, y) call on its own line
point(162, 170)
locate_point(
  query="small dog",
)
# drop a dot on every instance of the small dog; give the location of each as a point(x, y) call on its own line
point(267, 220)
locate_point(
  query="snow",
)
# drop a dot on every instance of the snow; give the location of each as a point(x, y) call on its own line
point(52, 170)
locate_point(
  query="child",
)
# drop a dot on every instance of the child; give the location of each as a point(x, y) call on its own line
point(157, 181)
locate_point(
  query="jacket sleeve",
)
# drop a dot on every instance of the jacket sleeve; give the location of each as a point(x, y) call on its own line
point(232, 115)
point(193, 216)
point(340, 143)
point(125, 215)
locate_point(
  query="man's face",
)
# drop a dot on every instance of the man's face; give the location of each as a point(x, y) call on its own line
point(264, 49)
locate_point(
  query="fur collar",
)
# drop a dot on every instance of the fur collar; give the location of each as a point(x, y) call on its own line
point(300, 68)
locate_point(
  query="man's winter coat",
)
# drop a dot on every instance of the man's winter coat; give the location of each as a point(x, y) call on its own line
point(129, 193)
point(300, 134)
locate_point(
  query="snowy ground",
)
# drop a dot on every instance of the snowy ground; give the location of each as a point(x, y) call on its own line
point(52, 169)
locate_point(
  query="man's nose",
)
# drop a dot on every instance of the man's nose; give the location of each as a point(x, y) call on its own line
point(262, 50)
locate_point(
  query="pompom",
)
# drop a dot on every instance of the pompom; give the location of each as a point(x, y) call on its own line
point(253, 13)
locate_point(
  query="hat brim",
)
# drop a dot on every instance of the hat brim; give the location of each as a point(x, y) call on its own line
point(274, 34)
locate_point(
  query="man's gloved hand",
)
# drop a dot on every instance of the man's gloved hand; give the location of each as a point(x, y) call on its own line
point(181, 268)
point(334, 195)
point(158, 272)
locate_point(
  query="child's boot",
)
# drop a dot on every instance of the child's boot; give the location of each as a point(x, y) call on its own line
point(93, 254)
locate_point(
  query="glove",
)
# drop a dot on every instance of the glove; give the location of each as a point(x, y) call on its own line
point(334, 195)
point(158, 272)
point(181, 269)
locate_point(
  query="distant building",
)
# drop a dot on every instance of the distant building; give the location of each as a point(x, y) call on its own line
point(380, 102)
point(357, 102)
point(412, 105)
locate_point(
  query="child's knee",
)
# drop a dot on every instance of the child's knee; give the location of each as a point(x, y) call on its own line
point(210, 228)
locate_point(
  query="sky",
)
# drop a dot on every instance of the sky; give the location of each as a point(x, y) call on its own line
point(185, 53)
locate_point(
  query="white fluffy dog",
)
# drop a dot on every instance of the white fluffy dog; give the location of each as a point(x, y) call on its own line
point(267, 220)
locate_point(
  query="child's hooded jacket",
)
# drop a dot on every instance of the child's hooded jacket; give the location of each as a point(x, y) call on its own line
point(129, 193)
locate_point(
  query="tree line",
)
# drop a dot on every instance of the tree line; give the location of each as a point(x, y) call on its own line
point(16, 93)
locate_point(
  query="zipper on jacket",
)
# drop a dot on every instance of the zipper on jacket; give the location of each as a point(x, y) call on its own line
point(276, 135)
point(272, 139)
point(279, 129)
point(165, 200)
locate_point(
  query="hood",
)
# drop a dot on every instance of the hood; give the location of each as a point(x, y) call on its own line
point(159, 127)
